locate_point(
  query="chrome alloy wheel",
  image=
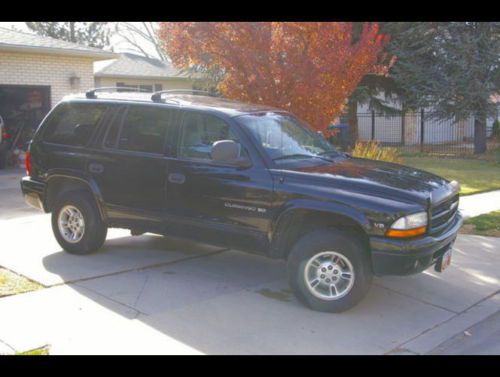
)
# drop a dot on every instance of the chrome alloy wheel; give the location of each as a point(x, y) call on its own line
point(71, 224)
point(329, 275)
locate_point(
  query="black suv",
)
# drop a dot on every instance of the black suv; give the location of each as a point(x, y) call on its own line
point(243, 176)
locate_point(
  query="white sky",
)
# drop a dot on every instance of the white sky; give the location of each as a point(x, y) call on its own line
point(117, 43)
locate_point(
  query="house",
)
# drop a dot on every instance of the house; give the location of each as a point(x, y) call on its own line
point(37, 72)
point(141, 72)
point(413, 129)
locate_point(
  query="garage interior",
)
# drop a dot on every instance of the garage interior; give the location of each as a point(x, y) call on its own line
point(22, 108)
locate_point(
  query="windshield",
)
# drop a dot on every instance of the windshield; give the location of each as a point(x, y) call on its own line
point(284, 137)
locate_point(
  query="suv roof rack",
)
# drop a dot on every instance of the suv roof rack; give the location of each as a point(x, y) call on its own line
point(156, 96)
point(91, 93)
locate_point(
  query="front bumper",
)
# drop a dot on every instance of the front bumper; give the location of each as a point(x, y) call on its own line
point(405, 257)
point(33, 192)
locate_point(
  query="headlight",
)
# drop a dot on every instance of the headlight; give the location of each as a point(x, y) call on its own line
point(409, 226)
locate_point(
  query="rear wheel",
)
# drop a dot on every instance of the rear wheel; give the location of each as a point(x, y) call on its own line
point(329, 270)
point(77, 224)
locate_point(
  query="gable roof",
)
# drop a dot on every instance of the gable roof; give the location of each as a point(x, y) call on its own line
point(136, 66)
point(12, 40)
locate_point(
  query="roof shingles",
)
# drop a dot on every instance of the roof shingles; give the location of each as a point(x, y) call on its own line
point(17, 40)
point(131, 65)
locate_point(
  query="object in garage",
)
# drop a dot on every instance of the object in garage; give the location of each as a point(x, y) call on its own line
point(22, 108)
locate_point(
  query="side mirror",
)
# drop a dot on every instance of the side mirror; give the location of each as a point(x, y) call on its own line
point(228, 152)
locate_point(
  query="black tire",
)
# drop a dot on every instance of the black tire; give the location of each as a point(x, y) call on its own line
point(342, 243)
point(95, 231)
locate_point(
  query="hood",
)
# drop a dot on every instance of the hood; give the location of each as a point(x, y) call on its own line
point(378, 177)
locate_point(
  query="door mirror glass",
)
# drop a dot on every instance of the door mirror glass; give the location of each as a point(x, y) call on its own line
point(228, 152)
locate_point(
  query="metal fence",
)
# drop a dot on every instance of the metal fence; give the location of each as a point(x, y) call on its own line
point(415, 132)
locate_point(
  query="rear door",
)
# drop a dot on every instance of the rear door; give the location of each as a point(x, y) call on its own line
point(130, 165)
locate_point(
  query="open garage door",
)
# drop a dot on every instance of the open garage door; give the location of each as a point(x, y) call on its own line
point(22, 108)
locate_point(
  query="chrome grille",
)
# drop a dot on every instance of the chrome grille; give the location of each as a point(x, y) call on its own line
point(443, 214)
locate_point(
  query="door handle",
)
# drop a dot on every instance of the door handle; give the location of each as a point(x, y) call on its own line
point(96, 168)
point(176, 178)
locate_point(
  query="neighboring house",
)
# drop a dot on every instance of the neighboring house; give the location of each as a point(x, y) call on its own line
point(389, 129)
point(37, 72)
point(140, 72)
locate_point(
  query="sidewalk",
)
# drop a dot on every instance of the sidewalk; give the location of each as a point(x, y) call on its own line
point(475, 205)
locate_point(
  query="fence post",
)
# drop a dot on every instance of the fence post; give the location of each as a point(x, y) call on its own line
point(422, 130)
point(403, 116)
point(373, 125)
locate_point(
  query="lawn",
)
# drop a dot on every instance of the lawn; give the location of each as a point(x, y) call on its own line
point(11, 283)
point(42, 351)
point(487, 224)
point(474, 175)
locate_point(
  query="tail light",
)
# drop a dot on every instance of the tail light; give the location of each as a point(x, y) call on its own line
point(27, 162)
point(5, 134)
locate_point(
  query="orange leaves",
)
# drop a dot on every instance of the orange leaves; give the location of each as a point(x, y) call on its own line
point(309, 68)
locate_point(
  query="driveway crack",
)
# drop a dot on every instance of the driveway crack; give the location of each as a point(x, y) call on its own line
point(156, 265)
point(416, 298)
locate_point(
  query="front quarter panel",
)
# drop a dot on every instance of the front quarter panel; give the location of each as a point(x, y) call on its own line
point(372, 213)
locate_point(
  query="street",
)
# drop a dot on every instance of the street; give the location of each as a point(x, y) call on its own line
point(155, 295)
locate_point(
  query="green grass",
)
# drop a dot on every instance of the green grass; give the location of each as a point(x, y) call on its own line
point(42, 351)
point(12, 284)
point(487, 224)
point(474, 175)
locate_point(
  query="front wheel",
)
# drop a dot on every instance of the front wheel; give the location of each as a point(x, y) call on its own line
point(329, 270)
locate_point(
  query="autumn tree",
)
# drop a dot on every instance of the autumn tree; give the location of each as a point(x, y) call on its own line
point(309, 68)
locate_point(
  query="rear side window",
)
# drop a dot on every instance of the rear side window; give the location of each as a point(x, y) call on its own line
point(144, 129)
point(73, 123)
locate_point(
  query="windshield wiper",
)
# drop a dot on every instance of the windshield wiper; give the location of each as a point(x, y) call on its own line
point(328, 153)
point(300, 155)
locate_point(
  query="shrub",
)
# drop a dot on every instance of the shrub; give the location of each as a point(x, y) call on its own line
point(374, 151)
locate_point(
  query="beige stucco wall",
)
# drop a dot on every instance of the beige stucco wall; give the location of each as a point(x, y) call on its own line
point(43, 69)
point(166, 84)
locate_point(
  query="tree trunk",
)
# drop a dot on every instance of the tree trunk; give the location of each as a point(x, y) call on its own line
point(352, 119)
point(479, 134)
point(72, 32)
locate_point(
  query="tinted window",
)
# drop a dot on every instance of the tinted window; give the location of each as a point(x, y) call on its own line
point(114, 128)
point(199, 132)
point(73, 123)
point(144, 129)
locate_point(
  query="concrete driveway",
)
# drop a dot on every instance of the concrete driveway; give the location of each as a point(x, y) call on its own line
point(150, 294)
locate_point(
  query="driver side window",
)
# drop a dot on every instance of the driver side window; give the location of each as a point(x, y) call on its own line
point(199, 132)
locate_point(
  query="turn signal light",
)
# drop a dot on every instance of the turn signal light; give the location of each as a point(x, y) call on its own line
point(405, 233)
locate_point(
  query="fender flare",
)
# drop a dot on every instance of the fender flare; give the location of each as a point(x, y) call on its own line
point(282, 220)
point(74, 175)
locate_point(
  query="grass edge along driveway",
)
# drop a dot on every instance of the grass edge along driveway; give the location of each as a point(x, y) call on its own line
point(13, 284)
point(487, 224)
point(474, 175)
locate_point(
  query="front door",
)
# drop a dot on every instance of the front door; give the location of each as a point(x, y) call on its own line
point(210, 202)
